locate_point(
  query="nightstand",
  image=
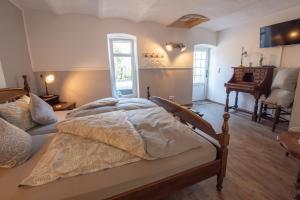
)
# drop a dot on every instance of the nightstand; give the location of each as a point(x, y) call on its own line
point(64, 106)
point(51, 100)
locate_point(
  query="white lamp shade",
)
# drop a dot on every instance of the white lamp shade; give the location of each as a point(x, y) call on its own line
point(49, 78)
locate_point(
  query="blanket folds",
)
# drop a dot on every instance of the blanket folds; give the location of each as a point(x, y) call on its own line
point(96, 142)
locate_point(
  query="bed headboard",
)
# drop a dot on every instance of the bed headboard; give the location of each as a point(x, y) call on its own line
point(11, 94)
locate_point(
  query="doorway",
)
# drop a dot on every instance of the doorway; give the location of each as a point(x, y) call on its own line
point(123, 65)
point(200, 72)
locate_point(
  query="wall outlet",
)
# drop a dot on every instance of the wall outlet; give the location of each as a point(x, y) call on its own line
point(171, 98)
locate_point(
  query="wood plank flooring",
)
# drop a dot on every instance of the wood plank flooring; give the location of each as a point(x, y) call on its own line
point(257, 166)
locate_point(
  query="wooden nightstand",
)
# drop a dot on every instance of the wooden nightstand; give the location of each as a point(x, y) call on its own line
point(51, 100)
point(64, 106)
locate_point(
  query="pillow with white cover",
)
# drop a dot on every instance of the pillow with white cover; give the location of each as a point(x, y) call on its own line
point(286, 78)
point(41, 112)
point(18, 113)
point(280, 97)
point(15, 145)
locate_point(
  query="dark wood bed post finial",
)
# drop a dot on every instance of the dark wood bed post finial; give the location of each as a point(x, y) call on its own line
point(224, 142)
point(148, 92)
point(26, 85)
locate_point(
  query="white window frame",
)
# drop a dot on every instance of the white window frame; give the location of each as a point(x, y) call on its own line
point(126, 37)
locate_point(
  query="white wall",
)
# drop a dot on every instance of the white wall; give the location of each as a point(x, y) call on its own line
point(14, 53)
point(229, 43)
point(79, 42)
point(64, 42)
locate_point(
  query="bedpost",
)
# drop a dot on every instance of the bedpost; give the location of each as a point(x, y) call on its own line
point(224, 141)
point(148, 92)
point(26, 85)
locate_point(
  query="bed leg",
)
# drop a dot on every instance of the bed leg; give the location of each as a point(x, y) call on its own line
point(219, 183)
point(224, 141)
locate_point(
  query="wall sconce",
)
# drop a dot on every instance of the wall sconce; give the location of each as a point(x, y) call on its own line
point(48, 79)
point(170, 46)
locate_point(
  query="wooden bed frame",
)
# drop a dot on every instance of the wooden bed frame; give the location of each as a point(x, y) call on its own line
point(166, 186)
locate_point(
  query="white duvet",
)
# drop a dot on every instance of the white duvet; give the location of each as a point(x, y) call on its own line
point(96, 142)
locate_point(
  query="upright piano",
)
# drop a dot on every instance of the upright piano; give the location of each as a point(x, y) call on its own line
point(252, 80)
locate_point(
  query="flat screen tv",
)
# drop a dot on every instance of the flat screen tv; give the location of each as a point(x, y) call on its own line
point(285, 33)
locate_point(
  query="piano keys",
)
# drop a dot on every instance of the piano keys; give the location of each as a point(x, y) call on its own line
point(253, 80)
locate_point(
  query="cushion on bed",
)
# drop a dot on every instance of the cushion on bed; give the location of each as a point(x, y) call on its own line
point(15, 145)
point(41, 111)
point(18, 113)
point(42, 129)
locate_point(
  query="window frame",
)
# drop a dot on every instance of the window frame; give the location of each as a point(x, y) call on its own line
point(135, 79)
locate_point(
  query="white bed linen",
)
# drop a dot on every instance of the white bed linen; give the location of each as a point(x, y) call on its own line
point(102, 184)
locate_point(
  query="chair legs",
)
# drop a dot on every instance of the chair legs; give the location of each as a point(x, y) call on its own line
point(262, 111)
point(276, 117)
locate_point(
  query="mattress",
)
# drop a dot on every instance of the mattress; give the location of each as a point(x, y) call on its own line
point(50, 128)
point(102, 184)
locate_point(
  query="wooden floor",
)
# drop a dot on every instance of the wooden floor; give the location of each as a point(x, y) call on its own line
point(257, 166)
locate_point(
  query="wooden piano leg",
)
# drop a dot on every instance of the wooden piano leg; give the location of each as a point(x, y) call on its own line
point(236, 101)
point(227, 101)
point(254, 115)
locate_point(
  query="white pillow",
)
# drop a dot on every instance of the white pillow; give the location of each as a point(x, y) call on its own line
point(286, 78)
point(18, 113)
point(15, 145)
point(41, 112)
point(283, 98)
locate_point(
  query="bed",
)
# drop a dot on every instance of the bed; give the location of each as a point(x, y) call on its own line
point(139, 180)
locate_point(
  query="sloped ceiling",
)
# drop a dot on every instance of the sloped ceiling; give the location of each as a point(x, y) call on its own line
point(222, 13)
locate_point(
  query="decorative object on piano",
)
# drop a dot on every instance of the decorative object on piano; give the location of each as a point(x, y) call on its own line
point(47, 80)
point(282, 96)
point(252, 80)
point(261, 60)
point(170, 46)
point(243, 54)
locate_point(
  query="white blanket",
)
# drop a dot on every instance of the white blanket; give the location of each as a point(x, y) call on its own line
point(109, 105)
point(92, 143)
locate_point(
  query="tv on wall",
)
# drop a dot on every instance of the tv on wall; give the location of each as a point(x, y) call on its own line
point(285, 33)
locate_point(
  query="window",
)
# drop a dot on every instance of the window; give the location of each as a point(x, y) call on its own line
point(201, 60)
point(123, 65)
point(2, 78)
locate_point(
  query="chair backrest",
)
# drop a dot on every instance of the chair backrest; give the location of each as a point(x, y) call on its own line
point(286, 79)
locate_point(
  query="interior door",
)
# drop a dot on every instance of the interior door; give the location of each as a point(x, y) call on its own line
point(200, 72)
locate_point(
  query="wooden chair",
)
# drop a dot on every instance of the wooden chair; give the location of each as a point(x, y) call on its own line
point(280, 111)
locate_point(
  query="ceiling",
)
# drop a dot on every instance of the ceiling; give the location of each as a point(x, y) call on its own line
point(222, 13)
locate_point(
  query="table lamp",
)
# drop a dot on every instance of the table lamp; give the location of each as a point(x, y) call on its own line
point(48, 79)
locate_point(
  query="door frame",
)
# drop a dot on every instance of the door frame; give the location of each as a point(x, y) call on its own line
point(208, 49)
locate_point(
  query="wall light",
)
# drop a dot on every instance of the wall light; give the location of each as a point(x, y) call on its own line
point(170, 46)
point(294, 34)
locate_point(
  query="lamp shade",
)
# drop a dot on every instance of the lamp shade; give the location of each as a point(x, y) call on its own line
point(169, 46)
point(49, 78)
